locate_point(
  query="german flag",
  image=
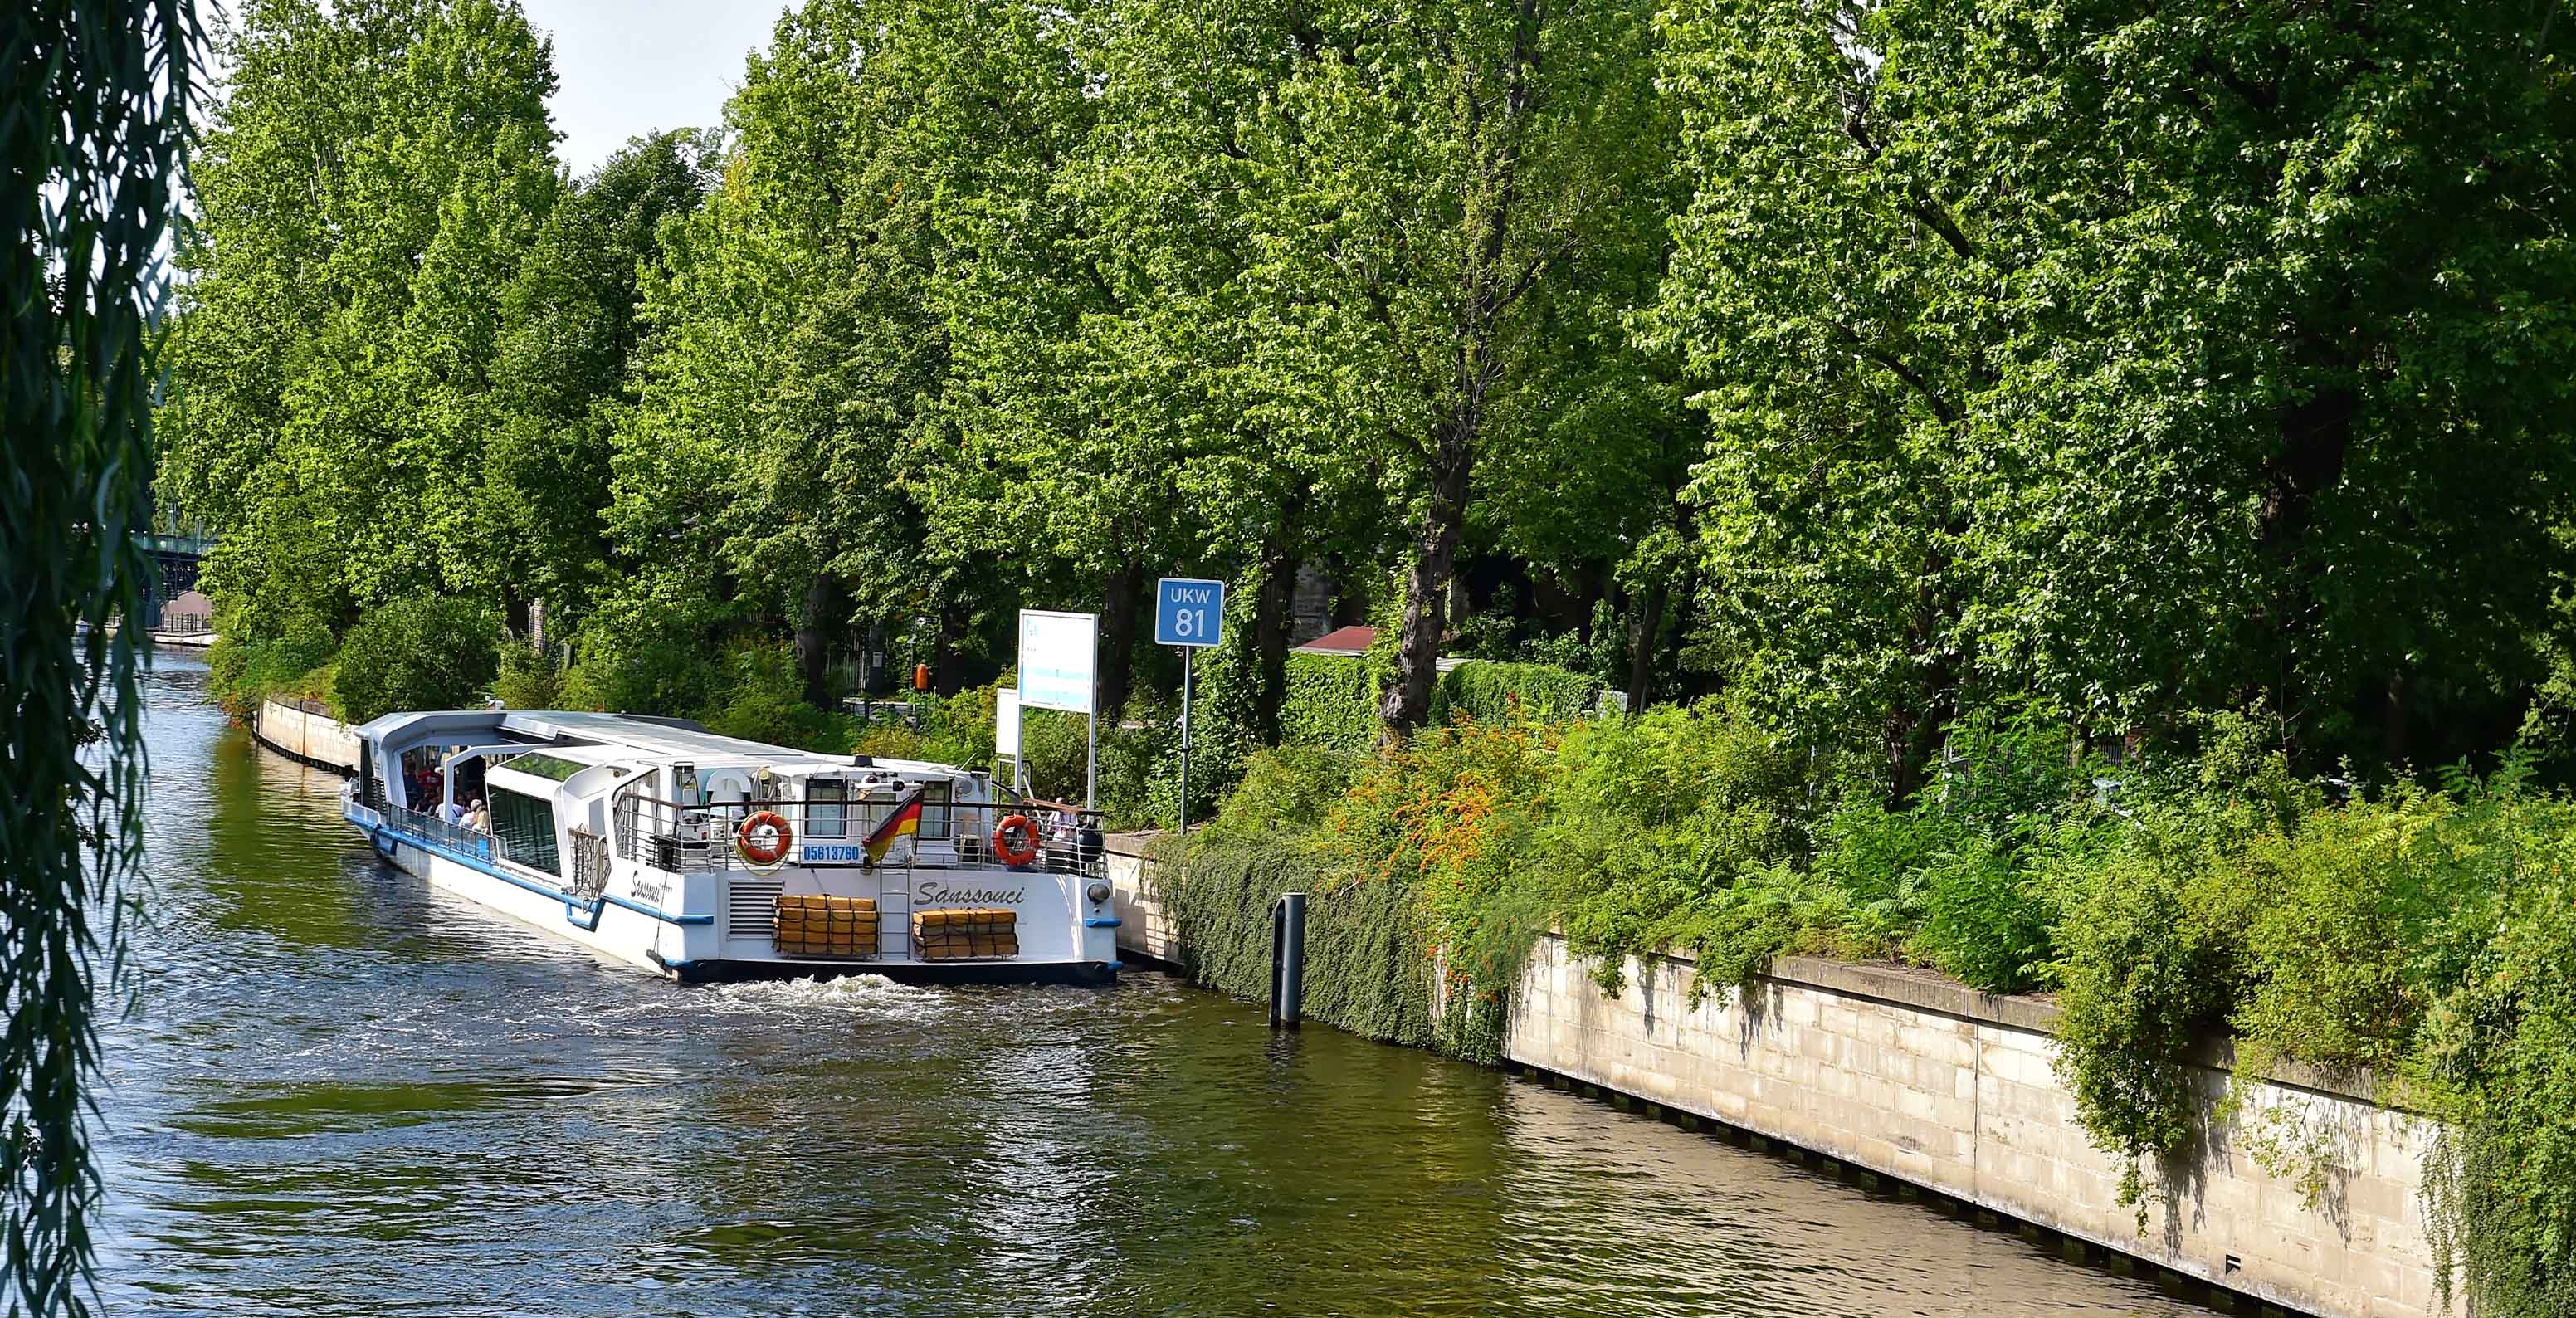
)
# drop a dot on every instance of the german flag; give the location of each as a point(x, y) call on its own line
point(904, 822)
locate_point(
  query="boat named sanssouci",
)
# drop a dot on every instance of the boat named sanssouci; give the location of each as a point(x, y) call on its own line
point(703, 857)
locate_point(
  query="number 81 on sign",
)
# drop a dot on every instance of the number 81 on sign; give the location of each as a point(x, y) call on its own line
point(1188, 611)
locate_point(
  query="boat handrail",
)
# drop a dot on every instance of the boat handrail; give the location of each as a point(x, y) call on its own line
point(1073, 846)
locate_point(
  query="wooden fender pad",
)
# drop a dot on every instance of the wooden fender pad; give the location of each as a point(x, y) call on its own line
point(812, 924)
point(961, 935)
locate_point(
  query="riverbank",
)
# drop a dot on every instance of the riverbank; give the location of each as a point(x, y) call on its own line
point(2305, 1195)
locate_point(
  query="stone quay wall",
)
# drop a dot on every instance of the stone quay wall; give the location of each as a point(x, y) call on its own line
point(2309, 1198)
point(309, 735)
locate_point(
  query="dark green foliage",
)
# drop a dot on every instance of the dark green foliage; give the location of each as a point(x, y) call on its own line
point(423, 652)
point(94, 123)
point(760, 699)
point(527, 680)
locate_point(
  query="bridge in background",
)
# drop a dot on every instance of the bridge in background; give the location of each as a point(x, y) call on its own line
point(174, 606)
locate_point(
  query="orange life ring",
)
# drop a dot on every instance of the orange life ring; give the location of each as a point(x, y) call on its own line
point(1015, 826)
point(770, 852)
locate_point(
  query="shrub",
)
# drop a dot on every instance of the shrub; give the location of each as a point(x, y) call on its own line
point(639, 659)
point(1054, 749)
point(763, 699)
point(240, 674)
point(422, 652)
point(1655, 821)
point(528, 680)
point(2149, 967)
point(2500, 1189)
point(1285, 794)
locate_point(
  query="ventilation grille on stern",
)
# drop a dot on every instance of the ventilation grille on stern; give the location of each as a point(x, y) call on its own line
point(751, 907)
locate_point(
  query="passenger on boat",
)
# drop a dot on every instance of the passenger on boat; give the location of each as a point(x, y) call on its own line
point(453, 812)
point(479, 817)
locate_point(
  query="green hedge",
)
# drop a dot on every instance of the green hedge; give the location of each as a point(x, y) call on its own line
point(1332, 701)
point(1513, 693)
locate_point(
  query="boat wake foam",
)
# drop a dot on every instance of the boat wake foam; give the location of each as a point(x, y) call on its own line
point(852, 995)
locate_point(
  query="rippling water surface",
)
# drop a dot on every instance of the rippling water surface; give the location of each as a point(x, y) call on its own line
point(345, 1094)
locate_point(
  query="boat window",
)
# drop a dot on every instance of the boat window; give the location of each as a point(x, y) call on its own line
point(544, 766)
point(827, 810)
point(934, 809)
point(523, 830)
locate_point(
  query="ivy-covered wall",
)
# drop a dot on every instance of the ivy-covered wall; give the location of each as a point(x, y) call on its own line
point(1366, 970)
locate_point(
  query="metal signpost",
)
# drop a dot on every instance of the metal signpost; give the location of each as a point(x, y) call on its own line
point(1188, 613)
point(1059, 669)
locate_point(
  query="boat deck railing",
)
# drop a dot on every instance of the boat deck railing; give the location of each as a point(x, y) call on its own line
point(699, 838)
point(438, 832)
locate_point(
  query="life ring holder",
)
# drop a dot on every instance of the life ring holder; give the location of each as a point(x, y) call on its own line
point(1015, 826)
point(763, 854)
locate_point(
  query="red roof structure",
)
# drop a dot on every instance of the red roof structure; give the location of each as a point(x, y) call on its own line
point(1341, 640)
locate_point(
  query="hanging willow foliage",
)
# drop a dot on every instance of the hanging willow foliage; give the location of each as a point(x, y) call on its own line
point(93, 128)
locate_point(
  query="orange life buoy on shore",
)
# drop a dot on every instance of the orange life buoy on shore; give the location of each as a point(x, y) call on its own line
point(764, 837)
point(1025, 849)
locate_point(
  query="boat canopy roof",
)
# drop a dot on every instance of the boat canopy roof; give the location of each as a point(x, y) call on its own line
point(583, 737)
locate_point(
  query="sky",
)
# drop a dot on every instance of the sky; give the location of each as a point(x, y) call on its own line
point(629, 67)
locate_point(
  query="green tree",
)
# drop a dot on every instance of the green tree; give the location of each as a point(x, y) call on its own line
point(1429, 177)
point(373, 175)
point(94, 124)
point(788, 410)
point(569, 324)
point(2147, 359)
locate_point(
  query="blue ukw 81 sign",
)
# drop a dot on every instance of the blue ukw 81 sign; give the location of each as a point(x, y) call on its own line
point(1188, 612)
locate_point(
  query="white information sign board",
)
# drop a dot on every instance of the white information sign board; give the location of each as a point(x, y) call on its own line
point(1006, 723)
point(1059, 653)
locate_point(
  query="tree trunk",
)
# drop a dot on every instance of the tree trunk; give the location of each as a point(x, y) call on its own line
point(1646, 623)
point(945, 658)
point(514, 614)
point(2316, 439)
point(1272, 614)
point(1407, 703)
point(814, 638)
point(1122, 596)
point(1486, 289)
point(2392, 726)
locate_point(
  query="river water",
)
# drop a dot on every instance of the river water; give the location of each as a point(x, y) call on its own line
point(342, 1093)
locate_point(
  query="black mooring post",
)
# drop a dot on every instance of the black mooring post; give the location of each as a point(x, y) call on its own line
point(1287, 960)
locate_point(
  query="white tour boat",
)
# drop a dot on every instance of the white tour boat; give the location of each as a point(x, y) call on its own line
point(704, 857)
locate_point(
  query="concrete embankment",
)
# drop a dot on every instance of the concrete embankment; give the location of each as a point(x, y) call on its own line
point(304, 730)
point(2308, 1198)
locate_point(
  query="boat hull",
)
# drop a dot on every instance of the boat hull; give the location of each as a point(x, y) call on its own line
point(692, 949)
point(902, 972)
